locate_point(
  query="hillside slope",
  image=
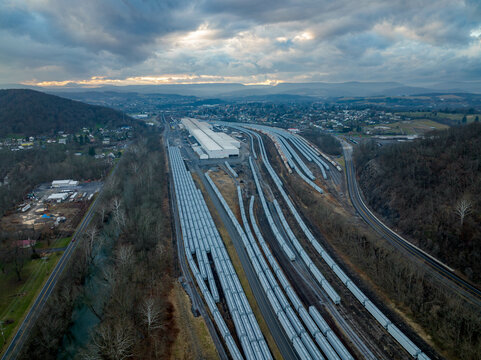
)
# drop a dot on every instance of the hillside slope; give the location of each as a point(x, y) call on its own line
point(418, 187)
point(28, 112)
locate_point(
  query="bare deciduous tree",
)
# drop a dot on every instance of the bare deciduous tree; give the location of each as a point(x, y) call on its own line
point(150, 312)
point(110, 277)
point(119, 215)
point(89, 243)
point(114, 340)
point(116, 204)
point(134, 167)
point(103, 210)
point(160, 249)
point(125, 256)
point(463, 208)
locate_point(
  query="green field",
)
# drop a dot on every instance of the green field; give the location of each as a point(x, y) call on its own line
point(409, 127)
point(440, 116)
point(61, 243)
point(17, 296)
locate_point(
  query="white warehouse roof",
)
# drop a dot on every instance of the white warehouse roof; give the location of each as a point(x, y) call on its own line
point(59, 183)
point(215, 144)
point(58, 196)
point(229, 139)
point(205, 141)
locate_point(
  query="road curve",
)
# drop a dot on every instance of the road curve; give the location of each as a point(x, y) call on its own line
point(440, 270)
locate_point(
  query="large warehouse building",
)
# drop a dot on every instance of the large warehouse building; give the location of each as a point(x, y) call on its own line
point(214, 144)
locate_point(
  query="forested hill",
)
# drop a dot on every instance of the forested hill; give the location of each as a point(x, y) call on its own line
point(28, 112)
point(422, 187)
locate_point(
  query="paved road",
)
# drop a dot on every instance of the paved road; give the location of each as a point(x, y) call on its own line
point(13, 350)
point(268, 314)
point(440, 270)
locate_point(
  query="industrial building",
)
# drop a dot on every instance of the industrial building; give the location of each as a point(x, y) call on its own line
point(58, 197)
point(64, 183)
point(214, 144)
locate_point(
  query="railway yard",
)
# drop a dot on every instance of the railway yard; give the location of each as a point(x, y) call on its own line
point(314, 305)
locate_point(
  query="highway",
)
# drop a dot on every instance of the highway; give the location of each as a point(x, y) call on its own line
point(439, 269)
point(15, 346)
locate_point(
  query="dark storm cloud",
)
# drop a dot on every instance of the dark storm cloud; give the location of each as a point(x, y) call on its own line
point(283, 39)
point(124, 27)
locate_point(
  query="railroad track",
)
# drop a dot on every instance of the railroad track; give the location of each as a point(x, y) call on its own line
point(439, 269)
point(360, 345)
point(21, 336)
point(197, 302)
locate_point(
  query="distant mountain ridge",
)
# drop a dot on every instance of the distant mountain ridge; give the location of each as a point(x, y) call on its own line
point(314, 89)
point(29, 112)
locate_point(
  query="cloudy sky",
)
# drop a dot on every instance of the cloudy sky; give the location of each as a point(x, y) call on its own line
point(94, 42)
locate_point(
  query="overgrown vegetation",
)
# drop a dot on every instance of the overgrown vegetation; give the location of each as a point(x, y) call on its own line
point(431, 190)
point(451, 118)
point(28, 112)
point(136, 315)
point(137, 318)
point(452, 324)
point(327, 143)
point(28, 168)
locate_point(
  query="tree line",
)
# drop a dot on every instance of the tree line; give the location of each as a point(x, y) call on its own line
point(28, 168)
point(451, 322)
point(327, 143)
point(133, 219)
point(430, 189)
point(29, 112)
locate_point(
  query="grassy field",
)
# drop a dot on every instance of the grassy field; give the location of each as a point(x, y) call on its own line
point(410, 127)
point(60, 243)
point(227, 187)
point(17, 296)
point(439, 116)
point(340, 161)
point(193, 339)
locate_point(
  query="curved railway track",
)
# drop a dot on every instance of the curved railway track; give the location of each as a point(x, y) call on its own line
point(439, 269)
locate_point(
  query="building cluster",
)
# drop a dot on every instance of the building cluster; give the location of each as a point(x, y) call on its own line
point(85, 136)
point(300, 116)
point(213, 145)
point(67, 190)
